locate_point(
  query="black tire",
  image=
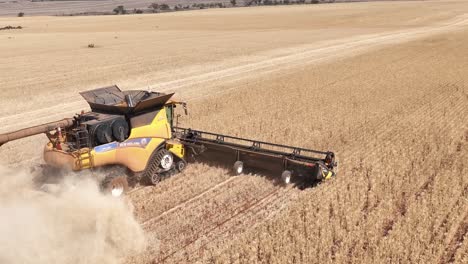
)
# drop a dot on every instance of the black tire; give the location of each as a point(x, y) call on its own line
point(116, 185)
point(181, 165)
point(103, 134)
point(154, 172)
point(120, 129)
point(238, 167)
point(286, 177)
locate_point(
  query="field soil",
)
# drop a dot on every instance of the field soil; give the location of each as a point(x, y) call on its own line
point(383, 85)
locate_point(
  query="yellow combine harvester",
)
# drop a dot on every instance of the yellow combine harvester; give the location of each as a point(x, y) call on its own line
point(135, 129)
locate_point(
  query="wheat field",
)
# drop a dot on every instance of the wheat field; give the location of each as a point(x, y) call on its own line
point(383, 85)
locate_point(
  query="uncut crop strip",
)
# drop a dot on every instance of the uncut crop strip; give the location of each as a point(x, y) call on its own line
point(437, 116)
point(393, 135)
point(380, 134)
point(441, 100)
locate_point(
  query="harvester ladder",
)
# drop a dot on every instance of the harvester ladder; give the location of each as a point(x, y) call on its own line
point(85, 159)
point(82, 138)
point(82, 143)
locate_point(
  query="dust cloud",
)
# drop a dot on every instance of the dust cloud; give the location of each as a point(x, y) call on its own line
point(74, 224)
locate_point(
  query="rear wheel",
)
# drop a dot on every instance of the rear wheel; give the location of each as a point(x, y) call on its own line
point(286, 177)
point(115, 185)
point(238, 167)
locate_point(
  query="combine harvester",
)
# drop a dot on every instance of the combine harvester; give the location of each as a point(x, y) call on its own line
point(135, 129)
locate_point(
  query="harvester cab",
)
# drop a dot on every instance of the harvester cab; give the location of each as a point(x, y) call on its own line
point(135, 129)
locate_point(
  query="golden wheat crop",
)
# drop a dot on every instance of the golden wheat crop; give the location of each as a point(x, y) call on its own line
point(381, 84)
point(399, 127)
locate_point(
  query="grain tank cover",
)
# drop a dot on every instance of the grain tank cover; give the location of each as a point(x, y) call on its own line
point(111, 100)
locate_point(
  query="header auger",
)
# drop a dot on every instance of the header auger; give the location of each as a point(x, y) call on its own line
point(135, 129)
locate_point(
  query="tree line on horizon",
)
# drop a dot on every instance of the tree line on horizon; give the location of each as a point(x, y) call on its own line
point(159, 8)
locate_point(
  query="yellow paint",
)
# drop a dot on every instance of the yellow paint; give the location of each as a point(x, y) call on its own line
point(160, 127)
point(136, 158)
point(158, 133)
point(176, 148)
point(327, 175)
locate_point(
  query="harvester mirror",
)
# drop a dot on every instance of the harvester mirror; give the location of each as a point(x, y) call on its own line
point(177, 119)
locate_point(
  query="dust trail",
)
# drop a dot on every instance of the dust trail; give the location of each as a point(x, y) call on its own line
point(78, 224)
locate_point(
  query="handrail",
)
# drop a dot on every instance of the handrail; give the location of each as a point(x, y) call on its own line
point(254, 145)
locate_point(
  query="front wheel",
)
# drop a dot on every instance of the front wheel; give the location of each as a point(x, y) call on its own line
point(238, 167)
point(286, 177)
point(159, 165)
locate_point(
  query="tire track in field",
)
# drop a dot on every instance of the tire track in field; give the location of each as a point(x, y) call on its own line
point(233, 202)
point(443, 229)
point(274, 62)
point(212, 194)
point(250, 220)
point(456, 242)
point(206, 194)
point(247, 218)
